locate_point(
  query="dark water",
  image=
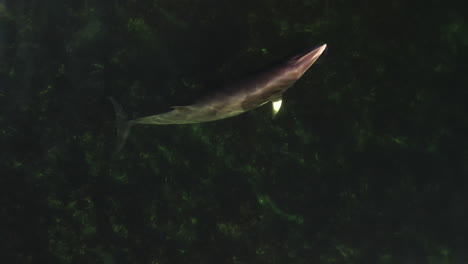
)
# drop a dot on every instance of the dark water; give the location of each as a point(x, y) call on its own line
point(365, 163)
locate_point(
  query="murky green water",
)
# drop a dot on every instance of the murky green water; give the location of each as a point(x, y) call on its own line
point(366, 161)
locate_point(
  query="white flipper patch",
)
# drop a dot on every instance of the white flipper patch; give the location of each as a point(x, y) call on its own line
point(276, 106)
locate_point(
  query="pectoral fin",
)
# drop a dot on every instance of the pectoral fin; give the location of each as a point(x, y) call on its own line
point(276, 105)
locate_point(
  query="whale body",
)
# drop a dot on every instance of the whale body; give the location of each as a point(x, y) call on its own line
point(236, 98)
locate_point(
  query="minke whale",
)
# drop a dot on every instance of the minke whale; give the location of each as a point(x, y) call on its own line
point(236, 98)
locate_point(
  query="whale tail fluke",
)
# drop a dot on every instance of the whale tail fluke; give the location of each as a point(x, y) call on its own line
point(122, 125)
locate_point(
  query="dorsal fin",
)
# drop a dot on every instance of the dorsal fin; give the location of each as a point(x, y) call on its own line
point(180, 107)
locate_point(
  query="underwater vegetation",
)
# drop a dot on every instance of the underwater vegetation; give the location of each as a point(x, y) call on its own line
point(365, 163)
